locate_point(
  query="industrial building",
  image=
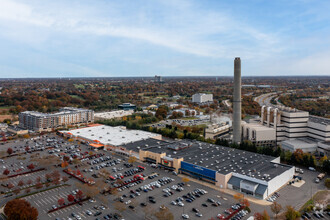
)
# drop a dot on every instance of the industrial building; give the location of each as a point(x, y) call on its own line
point(291, 128)
point(258, 134)
point(216, 130)
point(38, 121)
point(202, 98)
point(292, 123)
point(127, 106)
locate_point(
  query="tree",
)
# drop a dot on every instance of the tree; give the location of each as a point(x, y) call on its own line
point(276, 208)
point(64, 164)
point(65, 179)
point(238, 197)
point(6, 172)
point(291, 213)
point(131, 159)
point(61, 201)
point(16, 191)
point(39, 185)
point(20, 183)
point(9, 151)
point(327, 182)
point(20, 209)
point(38, 179)
point(79, 195)
point(10, 186)
point(29, 182)
point(185, 179)
point(261, 216)
point(31, 166)
point(164, 214)
point(70, 198)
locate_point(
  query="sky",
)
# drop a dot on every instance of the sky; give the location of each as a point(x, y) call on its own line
point(111, 38)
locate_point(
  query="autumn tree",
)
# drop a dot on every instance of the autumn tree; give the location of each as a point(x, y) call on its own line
point(6, 172)
point(20, 183)
point(131, 159)
point(276, 208)
point(261, 216)
point(164, 214)
point(16, 191)
point(291, 213)
point(61, 201)
point(20, 209)
point(65, 179)
point(70, 198)
point(10, 186)
point(31, 166)
point(9, 151)
point(185, 179)
point(79, 195)
point(39, 185)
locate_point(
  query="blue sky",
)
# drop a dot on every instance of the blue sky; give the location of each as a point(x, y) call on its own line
point(109, 38)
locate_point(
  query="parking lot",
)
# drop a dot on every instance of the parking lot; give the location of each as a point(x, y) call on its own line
point(140, 191)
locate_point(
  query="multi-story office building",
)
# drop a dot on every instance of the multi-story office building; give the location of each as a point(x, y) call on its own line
point(38, 121)
point(202, 98)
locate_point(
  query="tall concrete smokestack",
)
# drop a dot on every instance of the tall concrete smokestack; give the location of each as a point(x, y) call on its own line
point(237, 101)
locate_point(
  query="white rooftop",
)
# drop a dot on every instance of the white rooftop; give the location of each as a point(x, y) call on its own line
point(115, 136)
point(113, 114)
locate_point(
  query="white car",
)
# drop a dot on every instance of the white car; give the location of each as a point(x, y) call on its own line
point(185, 216)
point(89, 213)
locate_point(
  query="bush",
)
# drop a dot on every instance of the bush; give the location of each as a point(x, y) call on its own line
point(247, 209)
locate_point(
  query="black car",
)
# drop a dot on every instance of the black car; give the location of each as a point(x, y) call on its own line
point(195, 210)
point(143, 204)
point(97, 213)
point(204, 204)
point(131, 207)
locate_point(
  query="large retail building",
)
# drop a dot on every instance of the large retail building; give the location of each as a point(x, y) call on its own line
point(250, 173)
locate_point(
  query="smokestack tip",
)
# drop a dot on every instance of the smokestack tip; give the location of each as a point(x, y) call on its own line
point(237, 58)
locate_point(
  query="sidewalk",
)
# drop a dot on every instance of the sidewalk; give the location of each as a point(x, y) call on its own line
point(228, 191)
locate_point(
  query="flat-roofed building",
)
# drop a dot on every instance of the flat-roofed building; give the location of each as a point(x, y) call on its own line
point(202, 98)
point(259, 134)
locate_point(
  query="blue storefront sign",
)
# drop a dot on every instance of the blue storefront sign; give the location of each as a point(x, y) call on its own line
point(198, 170)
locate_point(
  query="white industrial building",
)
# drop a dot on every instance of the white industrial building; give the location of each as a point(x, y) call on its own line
point(292, 128)
point(259, 134)
point(202, 98)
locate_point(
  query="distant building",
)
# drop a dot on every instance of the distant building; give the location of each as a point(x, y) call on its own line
point(158, 79)
point(216, 130)
point(3, 126)
point(292, 123)
point(112, 114)
point(38, 121)
point(291, 128)
point(17, 130)
point(127, 106)
point(202, 98)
